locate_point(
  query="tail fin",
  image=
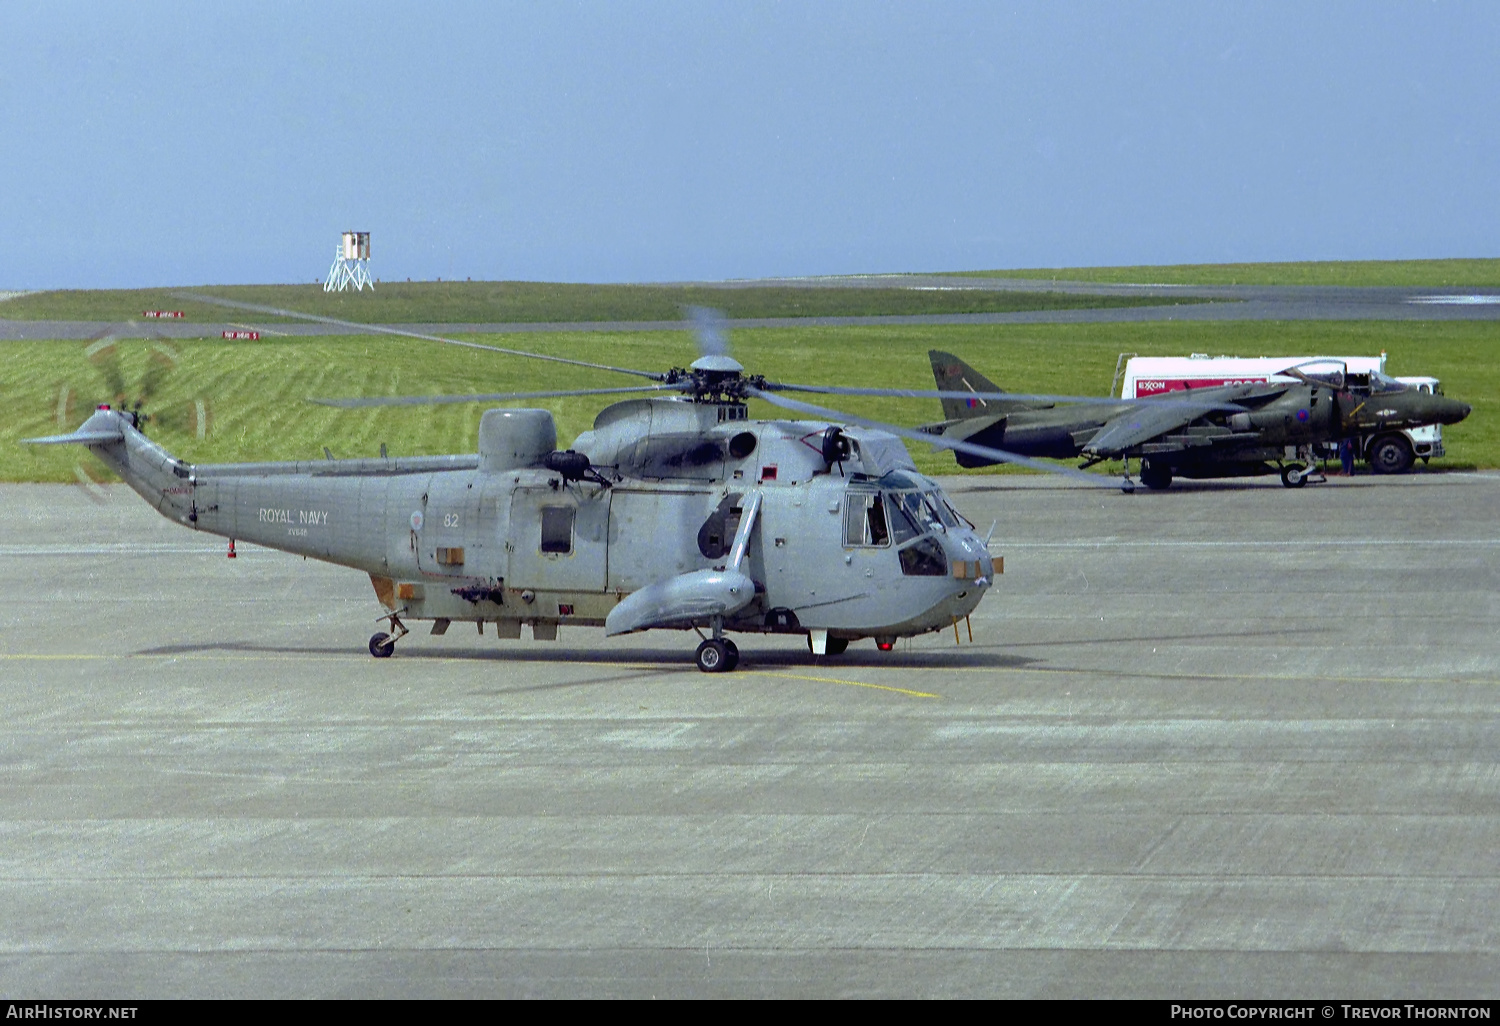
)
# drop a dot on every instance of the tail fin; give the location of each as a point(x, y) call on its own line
point(953, 375)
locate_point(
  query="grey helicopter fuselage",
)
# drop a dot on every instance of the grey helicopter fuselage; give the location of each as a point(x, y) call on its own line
point(857, 544)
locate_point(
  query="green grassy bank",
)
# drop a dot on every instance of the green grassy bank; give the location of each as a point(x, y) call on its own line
point(1364, 273)
point(255, 391)
point(536, 302)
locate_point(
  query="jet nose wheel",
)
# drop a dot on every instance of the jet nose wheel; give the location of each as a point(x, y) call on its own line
point(717, 656)
point(381, 645)
point(1293, 477)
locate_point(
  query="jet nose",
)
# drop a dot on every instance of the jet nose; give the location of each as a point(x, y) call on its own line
point(1453, 411)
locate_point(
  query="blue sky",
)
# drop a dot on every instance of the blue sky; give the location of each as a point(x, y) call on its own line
point(184, 143)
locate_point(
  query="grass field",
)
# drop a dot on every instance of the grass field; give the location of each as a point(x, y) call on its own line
point(535, 302)
point(255, 390)
point(1414, 273)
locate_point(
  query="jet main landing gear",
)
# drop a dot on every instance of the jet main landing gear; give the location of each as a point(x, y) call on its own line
point(1295, 475)
point(1156, 476)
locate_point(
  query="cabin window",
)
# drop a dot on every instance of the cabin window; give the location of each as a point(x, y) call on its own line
point(557, 528)
point(865, 521)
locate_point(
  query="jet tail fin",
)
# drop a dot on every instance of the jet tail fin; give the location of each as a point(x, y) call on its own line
point(953, 375)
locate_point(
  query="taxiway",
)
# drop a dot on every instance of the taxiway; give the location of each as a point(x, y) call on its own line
point(1228, 740)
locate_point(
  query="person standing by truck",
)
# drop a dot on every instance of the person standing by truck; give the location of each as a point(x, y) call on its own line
point(1346, 457)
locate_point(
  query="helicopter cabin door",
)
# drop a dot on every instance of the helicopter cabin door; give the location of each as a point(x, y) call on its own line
point(461, 530)
point(559, 538)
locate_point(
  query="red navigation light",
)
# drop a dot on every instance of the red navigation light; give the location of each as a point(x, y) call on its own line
point(885, 646)
point(103, 406)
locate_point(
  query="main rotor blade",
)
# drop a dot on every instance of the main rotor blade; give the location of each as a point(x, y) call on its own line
point(998, 455)
point(491, 397)
point(383, 329)
point(1027, 397)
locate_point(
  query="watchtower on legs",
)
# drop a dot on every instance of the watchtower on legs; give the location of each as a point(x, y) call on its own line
point(351, 264)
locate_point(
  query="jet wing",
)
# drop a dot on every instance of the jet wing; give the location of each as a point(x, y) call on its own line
point(1138, 424)
point(962, 430)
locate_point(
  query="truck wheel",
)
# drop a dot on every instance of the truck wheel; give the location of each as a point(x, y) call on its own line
point(1155, 476)
point(1390, 454)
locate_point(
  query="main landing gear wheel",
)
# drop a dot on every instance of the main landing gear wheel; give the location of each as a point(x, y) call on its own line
point(1155, 476)
point(381, 645)
point(836, 646)
point(717, 656)
point(1294, 477)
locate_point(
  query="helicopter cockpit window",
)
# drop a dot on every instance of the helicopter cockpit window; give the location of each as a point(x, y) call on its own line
point(958, 518)
point(903, 527)
point(865, 521)
point(557, 529)
point(898, 482)
point(917, 509)
point(924, 558)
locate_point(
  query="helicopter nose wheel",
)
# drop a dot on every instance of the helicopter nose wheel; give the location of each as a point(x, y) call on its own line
point(717, 655)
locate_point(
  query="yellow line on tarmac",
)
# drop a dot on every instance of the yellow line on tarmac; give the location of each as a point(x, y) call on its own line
point(851, 683)
point(1188, 675)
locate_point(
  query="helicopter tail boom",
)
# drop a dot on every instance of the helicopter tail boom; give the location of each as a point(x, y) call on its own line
point(79, 437)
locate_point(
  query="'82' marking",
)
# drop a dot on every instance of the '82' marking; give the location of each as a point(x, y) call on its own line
point(450, 519)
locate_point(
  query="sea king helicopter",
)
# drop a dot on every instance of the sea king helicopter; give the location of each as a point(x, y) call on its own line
point(675, 511)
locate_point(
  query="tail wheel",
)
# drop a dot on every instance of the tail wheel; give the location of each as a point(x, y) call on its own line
point(1391, 454)
point(381, 645)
